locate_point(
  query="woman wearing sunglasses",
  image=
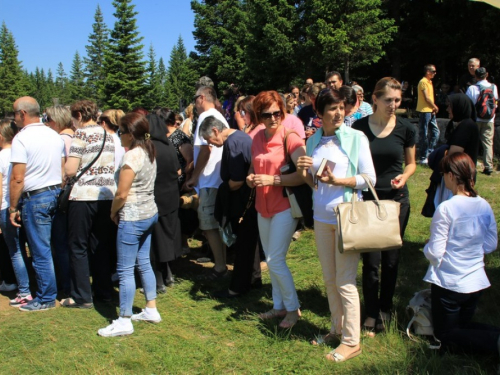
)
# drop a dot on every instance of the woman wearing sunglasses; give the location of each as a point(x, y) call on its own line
point(276, 224)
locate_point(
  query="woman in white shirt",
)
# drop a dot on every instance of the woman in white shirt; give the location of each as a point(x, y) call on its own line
point(347, 152)
point(463, 230)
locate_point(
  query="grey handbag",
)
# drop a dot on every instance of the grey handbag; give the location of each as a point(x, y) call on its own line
point(369, 226)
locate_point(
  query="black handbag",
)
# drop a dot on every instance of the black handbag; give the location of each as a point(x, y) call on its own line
point(429, 208)
point(302, 193)
point(63, 198)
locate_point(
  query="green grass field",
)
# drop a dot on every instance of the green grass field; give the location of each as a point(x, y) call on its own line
point(202, 335)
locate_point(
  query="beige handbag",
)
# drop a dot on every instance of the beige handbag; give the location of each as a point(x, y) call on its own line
point(369, 226)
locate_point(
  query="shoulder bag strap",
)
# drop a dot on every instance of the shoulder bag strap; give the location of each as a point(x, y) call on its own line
point(285, 144)
point(93, 161)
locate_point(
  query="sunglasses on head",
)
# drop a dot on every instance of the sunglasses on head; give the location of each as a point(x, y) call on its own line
point(269, 115)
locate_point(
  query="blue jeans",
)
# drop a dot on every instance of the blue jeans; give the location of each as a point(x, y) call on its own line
point(133, 245)
point(18, 257)
point(37, 214)
point(427, 124)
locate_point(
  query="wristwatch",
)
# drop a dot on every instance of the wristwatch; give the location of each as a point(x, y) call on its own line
point(13, 210)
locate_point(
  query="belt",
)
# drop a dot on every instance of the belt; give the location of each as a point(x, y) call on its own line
point(28, 194)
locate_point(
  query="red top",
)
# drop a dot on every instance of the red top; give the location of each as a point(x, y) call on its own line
point(268, 156)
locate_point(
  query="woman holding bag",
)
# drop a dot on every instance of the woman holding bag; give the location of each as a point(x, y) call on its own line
point(275, 221)
point(392, 144)
point(347, 154)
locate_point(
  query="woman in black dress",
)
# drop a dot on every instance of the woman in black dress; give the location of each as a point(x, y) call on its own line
point(392, 144)
point(166, 240)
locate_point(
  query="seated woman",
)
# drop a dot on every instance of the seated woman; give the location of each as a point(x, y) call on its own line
point(135, 212)
point(463, 230)
point(347, 152)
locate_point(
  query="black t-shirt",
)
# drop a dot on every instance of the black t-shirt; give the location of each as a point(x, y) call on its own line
point(236, 157)
point(466, 135)
point(388, 152)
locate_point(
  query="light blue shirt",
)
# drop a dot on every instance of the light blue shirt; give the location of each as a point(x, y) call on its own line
point(463, 229)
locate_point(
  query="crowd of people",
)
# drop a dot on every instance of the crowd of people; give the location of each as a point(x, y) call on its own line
point(128, 173)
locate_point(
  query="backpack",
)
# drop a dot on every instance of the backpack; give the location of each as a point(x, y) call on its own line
point(486, 103)
point(420, 310)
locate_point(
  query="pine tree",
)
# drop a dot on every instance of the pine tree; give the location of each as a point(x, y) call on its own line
point(180, 77)
point(12, 81)
point(61, 85)
point(162, 79)
point(123, 64)
point(76, 85)
point(94, 61)
point(154, 88)
point(39, 85)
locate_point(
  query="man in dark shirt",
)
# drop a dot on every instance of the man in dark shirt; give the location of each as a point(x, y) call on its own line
point(469, 79)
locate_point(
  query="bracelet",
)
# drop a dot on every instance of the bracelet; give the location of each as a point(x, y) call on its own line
point(277, 180)
point(13, 211)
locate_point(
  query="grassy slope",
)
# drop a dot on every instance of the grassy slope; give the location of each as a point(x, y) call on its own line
point(202, 335)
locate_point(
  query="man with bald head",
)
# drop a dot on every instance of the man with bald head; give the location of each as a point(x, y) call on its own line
point(37, 160)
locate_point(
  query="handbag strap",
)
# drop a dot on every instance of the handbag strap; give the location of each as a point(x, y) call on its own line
point(87, 167)
point(285, 144)
point(370, 186)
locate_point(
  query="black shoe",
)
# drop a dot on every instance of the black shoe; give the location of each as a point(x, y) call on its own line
point(225, 294)
point(257, 284)
point(487, 172)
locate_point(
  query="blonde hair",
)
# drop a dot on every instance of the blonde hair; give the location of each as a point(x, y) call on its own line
point(61, 115)
point(189, 110)
point(7, 131)
point(112, 117)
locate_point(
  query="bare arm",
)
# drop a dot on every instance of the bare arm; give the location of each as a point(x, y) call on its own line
point(410, 167)
point(16, 189)
point(201, 162)
point(430, 101)
point(71, 166)
point(127, 176)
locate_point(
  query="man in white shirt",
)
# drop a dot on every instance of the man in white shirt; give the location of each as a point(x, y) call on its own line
point(485, 114)
point(37, 160)
point(206, 178)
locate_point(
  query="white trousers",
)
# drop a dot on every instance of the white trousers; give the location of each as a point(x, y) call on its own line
point(339, 275)
point(276, 234)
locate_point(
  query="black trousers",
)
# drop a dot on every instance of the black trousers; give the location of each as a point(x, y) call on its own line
point(388, 261)
point(452, 314)
point(245, 251)
point(6, 269)
point(91, 234)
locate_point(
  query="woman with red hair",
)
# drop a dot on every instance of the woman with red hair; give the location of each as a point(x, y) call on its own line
point(276, 224)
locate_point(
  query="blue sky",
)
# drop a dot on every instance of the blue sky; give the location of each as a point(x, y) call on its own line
point(49, 32)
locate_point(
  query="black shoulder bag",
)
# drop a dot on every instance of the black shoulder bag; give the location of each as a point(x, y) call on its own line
point(63, 198)
point(302, 193)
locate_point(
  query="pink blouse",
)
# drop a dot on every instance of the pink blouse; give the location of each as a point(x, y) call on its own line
point(268, 156)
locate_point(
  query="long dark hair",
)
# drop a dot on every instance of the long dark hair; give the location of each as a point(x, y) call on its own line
point(462, 167)
point(137, 125)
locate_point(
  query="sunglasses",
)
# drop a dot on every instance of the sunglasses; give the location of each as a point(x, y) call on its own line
point(120, 132)
point(196, 97)
point(242, 113)
point(267, 115)
point(49, 119)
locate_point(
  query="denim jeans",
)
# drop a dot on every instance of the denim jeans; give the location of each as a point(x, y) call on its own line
point(37, 214)
point(452, 314)
point(427, 124)
point(133, 245)
point(276, 234)
point(18, 257)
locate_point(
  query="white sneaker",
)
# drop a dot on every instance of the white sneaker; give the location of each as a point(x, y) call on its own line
point(4, 287)
point(147, 317)
point(423, 161)
point(119, 327)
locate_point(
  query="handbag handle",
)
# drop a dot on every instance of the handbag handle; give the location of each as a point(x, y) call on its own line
point(87, 167)
point(381, 210)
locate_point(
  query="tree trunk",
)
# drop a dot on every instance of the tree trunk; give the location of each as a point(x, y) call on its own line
point(346, 71)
